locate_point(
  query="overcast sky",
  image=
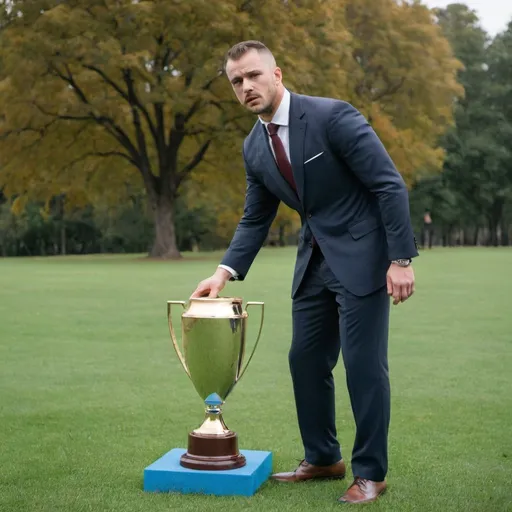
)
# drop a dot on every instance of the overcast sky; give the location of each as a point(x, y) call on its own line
point(494, 14)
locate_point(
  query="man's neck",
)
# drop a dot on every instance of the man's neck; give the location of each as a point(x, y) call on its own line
point(279, 98)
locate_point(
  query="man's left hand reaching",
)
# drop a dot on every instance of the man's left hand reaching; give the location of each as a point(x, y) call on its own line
point(400, 281)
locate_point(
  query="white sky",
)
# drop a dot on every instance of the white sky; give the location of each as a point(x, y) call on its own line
point(494, 14)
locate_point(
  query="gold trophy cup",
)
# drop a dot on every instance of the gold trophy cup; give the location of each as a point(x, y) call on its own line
point(214, 341)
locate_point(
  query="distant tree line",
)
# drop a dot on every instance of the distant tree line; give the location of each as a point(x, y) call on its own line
point(48, 230)
point(470, 201)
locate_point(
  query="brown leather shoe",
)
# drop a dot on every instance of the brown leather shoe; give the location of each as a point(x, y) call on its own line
point(307, 471)
point(363, 491)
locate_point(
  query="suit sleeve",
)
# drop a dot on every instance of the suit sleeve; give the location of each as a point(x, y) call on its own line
point(260, 210)
point(357, 144)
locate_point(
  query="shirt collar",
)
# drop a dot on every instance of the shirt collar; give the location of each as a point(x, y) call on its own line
point(281, 117)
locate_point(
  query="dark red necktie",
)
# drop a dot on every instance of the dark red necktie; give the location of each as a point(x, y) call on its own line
point(283, 163)
point(282, 160)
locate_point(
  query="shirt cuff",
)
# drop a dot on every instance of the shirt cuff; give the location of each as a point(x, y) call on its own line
point(233, 272)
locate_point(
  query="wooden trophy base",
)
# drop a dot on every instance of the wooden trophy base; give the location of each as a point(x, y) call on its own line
point(212, 452)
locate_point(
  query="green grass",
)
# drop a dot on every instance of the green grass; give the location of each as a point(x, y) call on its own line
point(91, 391)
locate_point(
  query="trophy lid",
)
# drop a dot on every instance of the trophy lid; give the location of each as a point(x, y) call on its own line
point(219, 307)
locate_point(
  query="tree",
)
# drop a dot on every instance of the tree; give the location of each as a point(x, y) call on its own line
point(112, 89)
point(398, 69)
point(118, 95)
point(403, 76)
point(500, 104)
point(478, 167)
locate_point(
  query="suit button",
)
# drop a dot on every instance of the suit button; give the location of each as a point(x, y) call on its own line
point(310, 215)
point(310, 244)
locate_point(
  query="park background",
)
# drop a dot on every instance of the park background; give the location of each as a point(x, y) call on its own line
point(119, 131)
point(121, 184)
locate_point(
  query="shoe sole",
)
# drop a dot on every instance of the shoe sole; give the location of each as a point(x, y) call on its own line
point(363, 502)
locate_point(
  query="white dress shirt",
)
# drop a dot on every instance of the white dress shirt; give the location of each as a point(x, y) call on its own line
point(281, 118)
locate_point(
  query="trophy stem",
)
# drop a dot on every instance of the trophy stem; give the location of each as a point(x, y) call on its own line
point(213, 423)
point(212, 446)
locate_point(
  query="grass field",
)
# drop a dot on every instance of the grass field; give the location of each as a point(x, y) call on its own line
point(91, 391)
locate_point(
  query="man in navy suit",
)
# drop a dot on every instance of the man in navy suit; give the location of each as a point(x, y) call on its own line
point(322, 158)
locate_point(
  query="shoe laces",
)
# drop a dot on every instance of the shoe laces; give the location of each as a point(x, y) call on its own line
point(361, 483)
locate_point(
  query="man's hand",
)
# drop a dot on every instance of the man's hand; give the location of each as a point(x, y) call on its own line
point(400, 282)
point(213, 285)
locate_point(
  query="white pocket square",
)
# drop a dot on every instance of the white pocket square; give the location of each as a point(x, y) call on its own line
point(312, 158)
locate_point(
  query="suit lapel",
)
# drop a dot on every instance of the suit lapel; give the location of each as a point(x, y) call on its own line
point(297, 133)
point(266, 157)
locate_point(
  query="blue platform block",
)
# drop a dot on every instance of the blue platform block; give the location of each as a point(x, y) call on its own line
point(167, 475)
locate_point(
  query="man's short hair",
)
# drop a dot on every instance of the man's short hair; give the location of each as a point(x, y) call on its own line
point(237, 51)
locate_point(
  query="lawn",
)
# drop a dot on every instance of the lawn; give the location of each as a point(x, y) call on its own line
point(91, 391)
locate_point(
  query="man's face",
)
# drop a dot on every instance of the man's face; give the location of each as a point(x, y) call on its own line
point(255, 80)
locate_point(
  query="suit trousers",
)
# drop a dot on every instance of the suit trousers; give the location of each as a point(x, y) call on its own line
point(327, 318)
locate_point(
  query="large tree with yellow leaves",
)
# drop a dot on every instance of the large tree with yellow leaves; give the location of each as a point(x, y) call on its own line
point(100, 96)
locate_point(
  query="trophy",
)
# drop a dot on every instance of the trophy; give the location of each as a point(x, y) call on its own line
point(214, 342)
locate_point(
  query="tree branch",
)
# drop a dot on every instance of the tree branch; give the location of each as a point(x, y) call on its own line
point(392, 89)
point(75, 138)
point(129, 96)
point(169, 55)
point(195, 106)
point(208, 84)
point(158, 108)
point(160, 130)
point(232, 120)
point(141, 138)
point(192, 110)
point(194, 162)
point(107, 80)
point(103, 120)
point(28, 129)
point(102, 154)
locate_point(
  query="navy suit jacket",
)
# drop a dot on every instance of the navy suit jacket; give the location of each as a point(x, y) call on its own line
point(351, 198)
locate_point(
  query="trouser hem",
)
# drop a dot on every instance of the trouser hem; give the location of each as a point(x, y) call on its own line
point(324, 461)
point(369, 474)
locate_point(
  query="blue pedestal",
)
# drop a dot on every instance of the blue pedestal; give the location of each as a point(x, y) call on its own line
point(166, 475)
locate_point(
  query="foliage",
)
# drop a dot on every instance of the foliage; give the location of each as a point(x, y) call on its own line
point(115, 98)
point(477, 175)
point(403, 76)
point(48, 229)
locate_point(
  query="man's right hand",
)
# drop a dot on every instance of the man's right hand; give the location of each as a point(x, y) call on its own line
point(212, 286)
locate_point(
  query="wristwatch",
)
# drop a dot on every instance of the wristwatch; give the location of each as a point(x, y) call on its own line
point(402, 262)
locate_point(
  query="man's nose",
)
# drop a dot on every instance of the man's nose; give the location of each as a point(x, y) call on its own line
point(247, 86)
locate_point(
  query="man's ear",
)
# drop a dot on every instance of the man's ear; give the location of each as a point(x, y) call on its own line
point(278, 75)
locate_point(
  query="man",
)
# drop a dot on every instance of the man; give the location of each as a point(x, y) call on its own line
point(428, 230)
point(320, 157)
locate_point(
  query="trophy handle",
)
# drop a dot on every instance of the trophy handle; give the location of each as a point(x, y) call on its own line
point(262, 304)
point(173, 335)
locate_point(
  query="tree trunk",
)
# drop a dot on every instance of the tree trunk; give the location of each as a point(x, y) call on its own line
point(468, 239)
point(282, 230)
point(495, 217)
point(477, 233)
point(493, 234)
point(164, 245)
point(504, 233)
point(63, 237)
